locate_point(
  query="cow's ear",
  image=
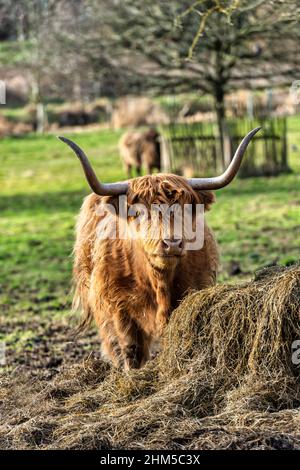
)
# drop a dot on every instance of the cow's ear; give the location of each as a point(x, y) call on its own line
point(207, 198)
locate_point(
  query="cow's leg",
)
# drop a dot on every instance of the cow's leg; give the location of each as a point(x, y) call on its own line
point(131, 341)
point(163, 311)
point(138, 170)
point(120, 337)
point(148, 168)
point(110, 348)
point(128, 170)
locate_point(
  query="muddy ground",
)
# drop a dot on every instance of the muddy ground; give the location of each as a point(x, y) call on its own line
point(53, 346)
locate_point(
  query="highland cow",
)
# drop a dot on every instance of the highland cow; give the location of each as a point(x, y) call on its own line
point(131, 285)
point(140, 150)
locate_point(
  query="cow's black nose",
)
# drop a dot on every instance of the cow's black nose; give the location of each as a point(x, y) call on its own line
point(172, 247)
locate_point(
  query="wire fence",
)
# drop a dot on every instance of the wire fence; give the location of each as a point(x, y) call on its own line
point(196, 149)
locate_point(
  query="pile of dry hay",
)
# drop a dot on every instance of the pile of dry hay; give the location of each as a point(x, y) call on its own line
point(225, 379)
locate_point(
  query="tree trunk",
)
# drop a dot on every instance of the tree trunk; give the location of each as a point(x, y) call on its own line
point(284, 163)
point(220, 112)
point(41, 116)
point(77, 89)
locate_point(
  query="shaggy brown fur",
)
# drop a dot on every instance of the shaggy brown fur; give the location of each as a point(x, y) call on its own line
point(127, 285)
point(140, 149)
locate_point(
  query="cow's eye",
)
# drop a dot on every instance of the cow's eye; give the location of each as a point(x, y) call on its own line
point(171, 194)
point(140, 213)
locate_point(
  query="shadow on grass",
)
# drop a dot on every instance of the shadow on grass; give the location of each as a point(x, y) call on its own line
point(71, 200)
point(48, 202)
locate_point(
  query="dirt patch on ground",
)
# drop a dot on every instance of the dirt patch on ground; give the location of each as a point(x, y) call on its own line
point(51, 347)
point(225, 379)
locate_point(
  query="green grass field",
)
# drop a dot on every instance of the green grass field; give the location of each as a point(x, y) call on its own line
point(256, 221)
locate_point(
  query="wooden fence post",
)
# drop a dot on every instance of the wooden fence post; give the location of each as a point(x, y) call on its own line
point(284, 161)
point(165, 150)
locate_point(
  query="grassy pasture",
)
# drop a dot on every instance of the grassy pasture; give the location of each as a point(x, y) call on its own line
point(256, 221)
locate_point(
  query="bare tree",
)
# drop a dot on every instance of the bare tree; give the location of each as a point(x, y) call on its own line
point(255, 46)
point(81, 49)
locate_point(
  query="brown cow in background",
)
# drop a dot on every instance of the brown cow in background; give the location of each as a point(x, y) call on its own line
point(130, 286)
point(140, 149)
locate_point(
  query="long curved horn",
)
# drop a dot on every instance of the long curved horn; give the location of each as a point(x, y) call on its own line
point(218, 182)
point(112, 189)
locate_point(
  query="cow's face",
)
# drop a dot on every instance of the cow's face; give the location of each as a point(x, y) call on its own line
point(157, 207)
